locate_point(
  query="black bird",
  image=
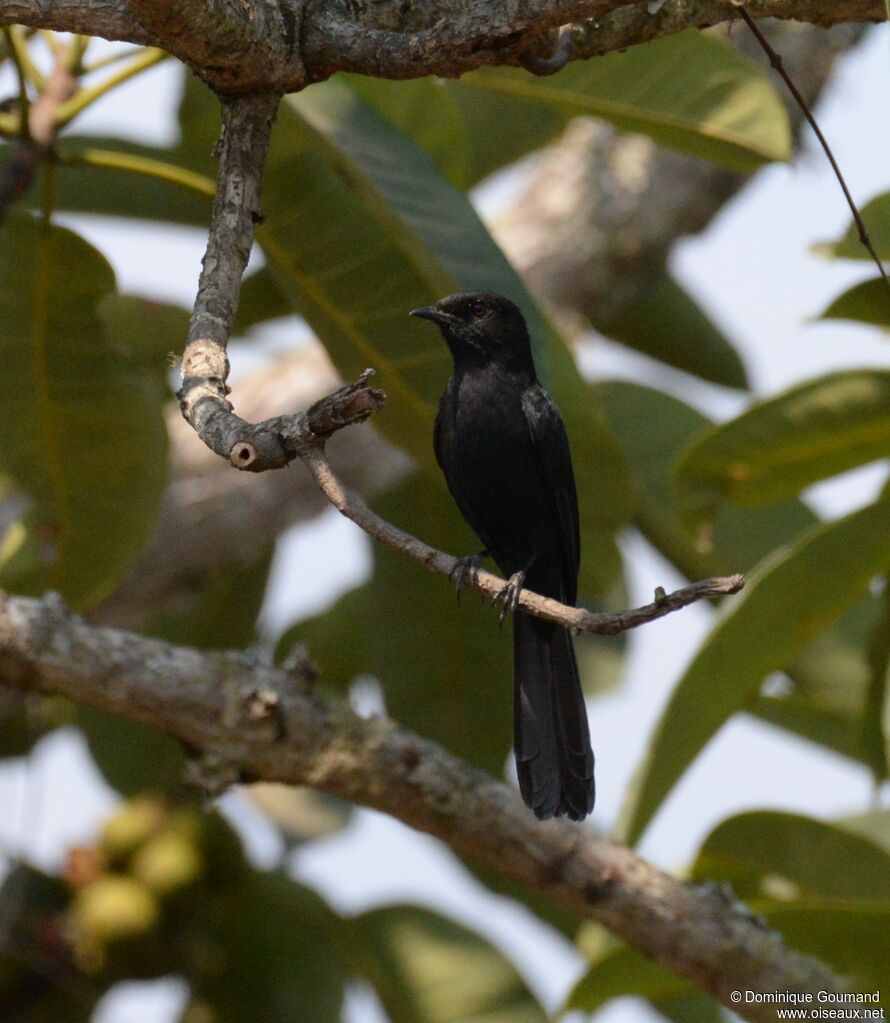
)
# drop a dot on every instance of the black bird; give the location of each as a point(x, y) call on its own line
point(503, 448)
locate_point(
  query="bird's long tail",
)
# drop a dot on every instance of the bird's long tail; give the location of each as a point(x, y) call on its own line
point(554, 760)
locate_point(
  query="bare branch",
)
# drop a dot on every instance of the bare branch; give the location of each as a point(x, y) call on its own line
point(109, 19)
point(279, 45)
point(268, 725)
point(247, 124)
point(489, 585)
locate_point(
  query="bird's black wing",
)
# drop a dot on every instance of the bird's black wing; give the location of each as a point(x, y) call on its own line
point(551, 446)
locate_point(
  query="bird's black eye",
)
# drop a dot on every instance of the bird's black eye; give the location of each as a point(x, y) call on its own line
point(478, 309)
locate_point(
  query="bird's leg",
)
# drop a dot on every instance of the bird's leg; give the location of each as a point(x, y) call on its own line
point(466, 566)
point(508, 598)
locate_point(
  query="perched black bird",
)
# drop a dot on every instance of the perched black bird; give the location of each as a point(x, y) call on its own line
point(502, 446)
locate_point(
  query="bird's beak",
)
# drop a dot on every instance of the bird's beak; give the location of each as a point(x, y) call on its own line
point(430, 312)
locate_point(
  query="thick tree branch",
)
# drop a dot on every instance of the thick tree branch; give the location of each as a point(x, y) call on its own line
point(279, 45)
point(266, 724)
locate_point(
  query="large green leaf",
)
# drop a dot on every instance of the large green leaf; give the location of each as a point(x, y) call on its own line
point(831, 674)
point(851, 937)
point(666, 323)
point(84, 433)
point(689, 91)
point(820, 859)
point(617, 971)
point(361, 226)
point(868, 302)
point(427, 969)
point(876, 216)
point(781, 445)
point(791, 597)
point(269, 951)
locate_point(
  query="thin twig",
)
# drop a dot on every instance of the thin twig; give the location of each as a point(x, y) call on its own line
point(575, 618)
point(776, 62)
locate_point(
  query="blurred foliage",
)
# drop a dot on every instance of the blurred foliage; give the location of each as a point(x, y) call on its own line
point(366, 215)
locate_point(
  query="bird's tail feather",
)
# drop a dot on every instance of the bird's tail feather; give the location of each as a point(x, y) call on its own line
point(554, 760)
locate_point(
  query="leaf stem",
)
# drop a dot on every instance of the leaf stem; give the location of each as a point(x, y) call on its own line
point(86, 97)
point(169, 172)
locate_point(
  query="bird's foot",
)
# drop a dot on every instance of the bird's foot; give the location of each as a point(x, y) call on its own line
point(508, 598)
point(466, 567)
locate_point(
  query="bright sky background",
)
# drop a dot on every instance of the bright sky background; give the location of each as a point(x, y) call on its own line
point(752, 269)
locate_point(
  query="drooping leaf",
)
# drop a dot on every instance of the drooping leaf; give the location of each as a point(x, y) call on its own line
point(427, 112)
point(780, 445)
point(851, 937)
point(426, 968)
point(868, 302)
point(837, 730)
point(270, 953)
point(84, 433)
point(669, 325)
point(876, 217)
point(831, 673)
point(619, 971)
point(689, 91)
point(790, 598)
point(819, 858)
point(875, 731)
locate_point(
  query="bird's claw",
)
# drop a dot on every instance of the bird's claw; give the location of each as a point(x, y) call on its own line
point(463, 567)
point(508, 598)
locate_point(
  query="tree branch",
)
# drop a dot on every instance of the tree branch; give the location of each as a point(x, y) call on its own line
point(266, 724)
point(576, 618)
point(279, 45)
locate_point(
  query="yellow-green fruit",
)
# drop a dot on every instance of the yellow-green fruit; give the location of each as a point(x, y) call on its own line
point(131, 826)
point(167, 862)
point(113, 908)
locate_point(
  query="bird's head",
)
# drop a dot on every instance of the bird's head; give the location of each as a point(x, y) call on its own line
point(480, 328)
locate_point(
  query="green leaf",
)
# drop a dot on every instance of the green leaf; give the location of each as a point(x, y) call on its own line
point(669, 325)
point(427, 969)
point(270, 952)
point(426, 111)
point(836, 730)
point(875, 732)
point(868, 302)
point(876, 217)
point(469, 132)
point(780, 445)
point(135, 757)
point(791, 597)
point(371, 230)
point(689, 91)
point(621, 971)
point(850, 937)
point(819, 858)
point(831, 674)
point(86, 437)
point(260, 300)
